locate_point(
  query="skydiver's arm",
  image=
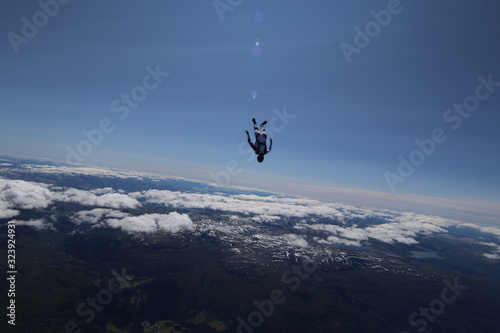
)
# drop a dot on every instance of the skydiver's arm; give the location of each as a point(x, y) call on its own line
point(250, 141)
point(270, 146)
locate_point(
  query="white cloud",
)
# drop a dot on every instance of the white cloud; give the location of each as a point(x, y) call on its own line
point(96, 215)
point(398, 227)
point(495, 255)
point(37, 224)
point(295, 240)
point(175, 222)
point(98, 172)
point(243, 204)
point(265, 218)
point(149, 223)
point(111, 200)
point(406, 227)
point(5, 211)
point(337, 240)
point(390, 233)
point(392, 226)
point(104, 190)
point(403, 228)
point(353, 232)
point(20, 194)
point(143, 223)
point(472, 210)
point(489, 230)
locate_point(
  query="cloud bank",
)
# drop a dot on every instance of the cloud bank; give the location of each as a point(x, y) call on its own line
point(38, 224)
point(149, 223)
point(20, 194)
point(328, 223)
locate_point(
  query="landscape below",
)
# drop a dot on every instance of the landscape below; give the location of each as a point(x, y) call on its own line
point(101, 250)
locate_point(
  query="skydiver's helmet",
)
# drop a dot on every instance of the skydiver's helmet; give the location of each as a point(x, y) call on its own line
point(260, 158)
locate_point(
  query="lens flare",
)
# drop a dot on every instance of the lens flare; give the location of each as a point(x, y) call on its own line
point(258, 16)
point(257, 50)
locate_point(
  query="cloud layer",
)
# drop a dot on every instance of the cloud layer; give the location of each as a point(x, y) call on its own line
point(20, 194)
point(398, 227)
point(101, 217)
point(313, 222)
point(269, 208)
point(38, 224)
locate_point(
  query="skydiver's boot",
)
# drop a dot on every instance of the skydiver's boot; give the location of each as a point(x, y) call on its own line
point(265, 122)
point(254, 121)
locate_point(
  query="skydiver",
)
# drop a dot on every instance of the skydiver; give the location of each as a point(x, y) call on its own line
point(260, 146)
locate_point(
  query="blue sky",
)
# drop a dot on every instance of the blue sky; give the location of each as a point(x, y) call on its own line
point(351, 120)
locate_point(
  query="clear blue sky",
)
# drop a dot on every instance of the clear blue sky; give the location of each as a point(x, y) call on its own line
point(352, 120)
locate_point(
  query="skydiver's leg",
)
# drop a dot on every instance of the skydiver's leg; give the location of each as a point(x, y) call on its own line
point(263, 129)
point(255, 129)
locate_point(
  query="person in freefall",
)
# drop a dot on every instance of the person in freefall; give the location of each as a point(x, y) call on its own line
point(260, 146)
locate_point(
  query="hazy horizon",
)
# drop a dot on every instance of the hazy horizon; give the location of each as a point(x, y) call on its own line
point(483, 213)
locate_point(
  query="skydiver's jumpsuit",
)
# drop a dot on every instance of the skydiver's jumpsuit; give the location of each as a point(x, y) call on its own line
point(260, 146)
